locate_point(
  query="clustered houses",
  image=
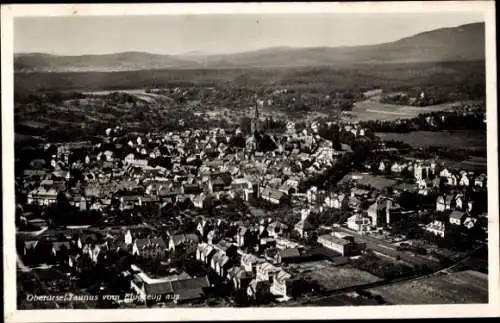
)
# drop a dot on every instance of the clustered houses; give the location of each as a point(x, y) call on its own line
point(192, 166)
point(428, 173)
point(126, 175)
point(367, 209)
point(241, 259)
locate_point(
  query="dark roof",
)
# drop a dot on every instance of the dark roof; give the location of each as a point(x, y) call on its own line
point(192, 288)
point(457, 215)
point(272, 193)
point(193, 186)
point(224, 245)
point(190, 283)
point(141, 243)
point(221, 178)
point(182, 238)
point(289, 253)
point(335, 240)
point(159, 288)
point(59, 244)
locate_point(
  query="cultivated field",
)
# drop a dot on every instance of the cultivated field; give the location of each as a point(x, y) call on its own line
point(460, 287)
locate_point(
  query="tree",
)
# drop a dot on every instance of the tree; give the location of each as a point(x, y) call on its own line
point(408, 201)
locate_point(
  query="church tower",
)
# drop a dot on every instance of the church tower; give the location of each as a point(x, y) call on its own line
point(255, 119)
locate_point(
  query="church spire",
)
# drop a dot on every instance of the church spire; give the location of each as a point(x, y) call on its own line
point(255, 119)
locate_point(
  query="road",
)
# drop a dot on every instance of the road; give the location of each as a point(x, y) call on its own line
point(386, 248)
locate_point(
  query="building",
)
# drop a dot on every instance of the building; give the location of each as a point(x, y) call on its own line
point(219, 182)
point(204, 252)
point(244, 236)
point(187, 241)
point(341, 243)
point(443, 203)
point(457, 217)
point(336, 201)
point(154, 248)
point(220, 263)
point(42, 196)
point(244, 186)
point(397, 168)
point(464, 180)
point(132, 161)
point(437, 228)
point(239, 277)
point(266, 271)
point(250, 262)
point(276, 229)
point(380, 212)
point(281, 285)
point(255, 123)
point(358, 223)
point(304, 227)
point(190, 289)
point(174, 288)
point(470, 222)
point(272, 195)
point(459, 202)
point(480, 181)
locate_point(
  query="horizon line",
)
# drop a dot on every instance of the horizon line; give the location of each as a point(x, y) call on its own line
point(202, 53)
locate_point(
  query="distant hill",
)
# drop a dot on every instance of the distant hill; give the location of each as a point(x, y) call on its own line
point(128, 61)
point(462, 43)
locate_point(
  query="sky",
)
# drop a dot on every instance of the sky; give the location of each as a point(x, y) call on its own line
point(218, 34)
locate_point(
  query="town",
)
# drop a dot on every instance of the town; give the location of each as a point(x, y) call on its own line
point(317, 213)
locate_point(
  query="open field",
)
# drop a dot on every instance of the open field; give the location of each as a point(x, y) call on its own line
point(331, 278)
point(378, 182)
point(373, 109)
point(460, 287)
point(453, 139)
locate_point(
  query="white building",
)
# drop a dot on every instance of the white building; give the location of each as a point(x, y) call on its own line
point(437, 228)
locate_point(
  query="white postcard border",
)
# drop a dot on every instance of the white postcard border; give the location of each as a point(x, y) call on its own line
point(181, 314)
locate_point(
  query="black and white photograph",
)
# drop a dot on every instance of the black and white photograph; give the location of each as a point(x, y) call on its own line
point(282, 157)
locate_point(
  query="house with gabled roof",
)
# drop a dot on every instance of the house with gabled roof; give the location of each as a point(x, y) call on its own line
point(239, 277)
point(149, 248)
point(457, 217)
point(220, 263)
point(436, 227)
point(275, 229)
point(464, 179)
point(480, 181)
point(304, 227)
point(187, 241)
point(204, 252)
point(470, 222)
point(281, 285)
point(443, 203)
point(250, 262)
point(272, 195)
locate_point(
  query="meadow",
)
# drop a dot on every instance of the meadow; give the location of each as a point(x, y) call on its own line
point(453, 139)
